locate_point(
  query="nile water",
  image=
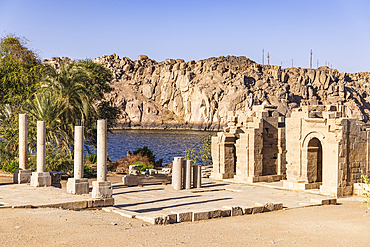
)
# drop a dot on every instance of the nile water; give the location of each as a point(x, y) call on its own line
point(166, 144)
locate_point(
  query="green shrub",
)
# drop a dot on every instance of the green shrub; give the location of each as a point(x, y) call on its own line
point(146, 167)
point(205, 151)
point(204, 154)
point(10, 166)
point(191, 154)
point(56, 160)
point(143, 169)
point(88, 172)
point(92, 158)
point(145, 151)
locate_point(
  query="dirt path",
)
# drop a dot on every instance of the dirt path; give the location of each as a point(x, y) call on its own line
point(347, 224)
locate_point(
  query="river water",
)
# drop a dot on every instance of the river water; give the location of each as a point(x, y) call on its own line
point(165, 144)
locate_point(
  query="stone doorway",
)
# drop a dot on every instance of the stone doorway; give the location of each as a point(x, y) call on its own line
point(314, 161)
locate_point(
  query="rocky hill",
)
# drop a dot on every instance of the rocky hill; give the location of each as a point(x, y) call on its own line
point(197, 94)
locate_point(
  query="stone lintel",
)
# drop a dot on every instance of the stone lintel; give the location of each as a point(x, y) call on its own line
point(315, 120)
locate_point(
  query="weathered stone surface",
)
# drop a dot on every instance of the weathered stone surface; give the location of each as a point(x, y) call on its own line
point(198, 95)
point(183, 216)
point(101, 190)
point(78, 186)
point(200, 215)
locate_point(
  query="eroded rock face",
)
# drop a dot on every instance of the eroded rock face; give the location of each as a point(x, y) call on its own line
point(198, 94)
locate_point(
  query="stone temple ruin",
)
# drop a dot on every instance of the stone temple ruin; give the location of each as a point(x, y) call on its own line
point(317, 147)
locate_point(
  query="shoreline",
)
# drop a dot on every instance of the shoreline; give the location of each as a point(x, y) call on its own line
point(170, 126)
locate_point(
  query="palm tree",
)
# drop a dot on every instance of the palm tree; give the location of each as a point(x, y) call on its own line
point(68, 81)
point(8, 133)
point(50, 108)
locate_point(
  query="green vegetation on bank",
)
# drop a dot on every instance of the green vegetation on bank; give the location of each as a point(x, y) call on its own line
point(61, 94)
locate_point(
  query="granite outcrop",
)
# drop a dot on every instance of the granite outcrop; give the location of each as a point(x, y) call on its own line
point(198, 94)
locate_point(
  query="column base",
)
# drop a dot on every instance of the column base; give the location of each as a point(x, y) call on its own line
point(78, 186)
point(21, 176)
point(101, 190)
point(40, 179)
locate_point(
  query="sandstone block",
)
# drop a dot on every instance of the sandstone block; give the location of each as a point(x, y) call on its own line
point(183, 216)
point(259, 208)
point(40, 179)
point(22, 176)
point(200, 215)
point(78, 186)
point(225, 212)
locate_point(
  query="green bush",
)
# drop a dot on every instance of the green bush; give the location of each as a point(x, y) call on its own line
point(204, 153)
point(146, 167)
point(88, 172)
point(143, 169)
point(92, 158)
point(10, 166)
point(56, 160)
point(191, 154)
point(145, 151)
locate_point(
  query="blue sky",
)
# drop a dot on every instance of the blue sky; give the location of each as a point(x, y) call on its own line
point(338, 32)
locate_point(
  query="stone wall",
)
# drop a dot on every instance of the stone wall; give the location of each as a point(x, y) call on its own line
point(255, 139)
point(327, 149)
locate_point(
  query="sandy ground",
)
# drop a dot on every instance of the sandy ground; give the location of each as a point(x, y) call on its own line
point(347, 224)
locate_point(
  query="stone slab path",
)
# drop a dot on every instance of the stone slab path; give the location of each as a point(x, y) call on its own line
point(161, 204)
point(26, 196)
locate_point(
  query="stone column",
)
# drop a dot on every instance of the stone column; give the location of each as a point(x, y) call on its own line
point(41, 178)
point(187, 175)
point(78, 185)
point(197, 176)
point(176, 173)
point(102, 188)
point(102, 151)
point(22, 175)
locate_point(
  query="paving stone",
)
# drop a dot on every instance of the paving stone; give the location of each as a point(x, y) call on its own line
point(215, 213)
point(155, 220)
point(79, 205)
point(124, 213)
point(278, 206)
point(200, 215)
point(183, 216)
point(170, 219)
point(247, 209)
point(225, 212)
point(269, 206)
point(108, 201)
point(108, 209)
point(258, 208)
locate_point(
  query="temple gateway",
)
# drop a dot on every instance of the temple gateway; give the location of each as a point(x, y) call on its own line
point(318, 147)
